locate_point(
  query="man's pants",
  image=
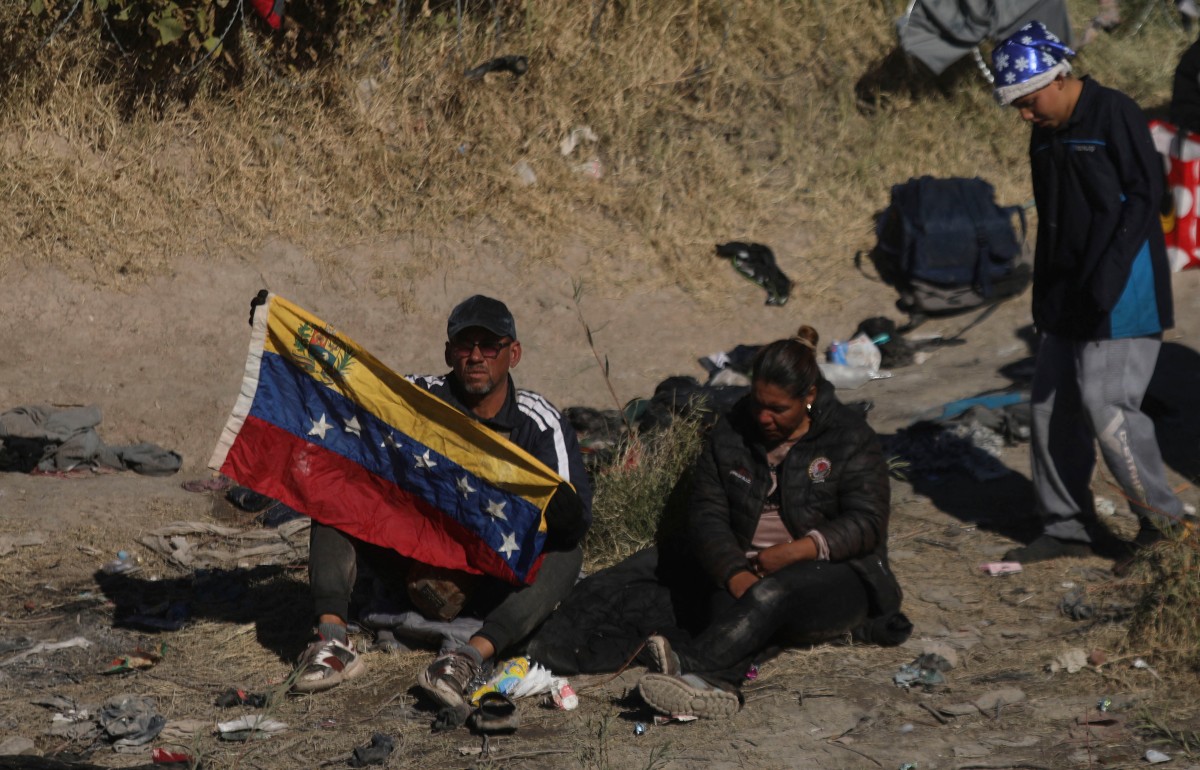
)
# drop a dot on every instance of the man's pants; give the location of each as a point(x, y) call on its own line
point(510, 613)
point(1084, 391)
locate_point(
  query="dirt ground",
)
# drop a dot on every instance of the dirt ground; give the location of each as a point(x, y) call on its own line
point(163, 361)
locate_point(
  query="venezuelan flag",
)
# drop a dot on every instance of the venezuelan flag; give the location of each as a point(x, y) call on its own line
point(325, 427)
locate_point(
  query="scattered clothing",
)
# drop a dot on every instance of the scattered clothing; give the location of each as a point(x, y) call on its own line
point(757, 262)
point(52, 439)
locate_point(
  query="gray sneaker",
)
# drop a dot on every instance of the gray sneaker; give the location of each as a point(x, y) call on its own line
point(687, 695)
point(447, 678)
point(663, 659)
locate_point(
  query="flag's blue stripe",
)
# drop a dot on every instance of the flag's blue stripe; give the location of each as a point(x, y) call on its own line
point(294, 401)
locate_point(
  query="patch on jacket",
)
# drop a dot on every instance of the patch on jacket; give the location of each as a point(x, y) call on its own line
point(819, 470)
point(741, 474)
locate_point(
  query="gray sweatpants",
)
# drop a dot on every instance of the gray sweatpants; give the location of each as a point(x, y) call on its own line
point(1083, 391)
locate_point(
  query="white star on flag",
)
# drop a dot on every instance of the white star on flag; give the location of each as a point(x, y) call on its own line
point(464, 486)
point(388, 440)
point(495, 509)
point(319, 427)
point(509, 545)
point(425, 461)
point(352, 426)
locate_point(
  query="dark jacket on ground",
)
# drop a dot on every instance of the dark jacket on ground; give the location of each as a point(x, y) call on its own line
point(834, 480)
point(532, 423)
point(1100, 268)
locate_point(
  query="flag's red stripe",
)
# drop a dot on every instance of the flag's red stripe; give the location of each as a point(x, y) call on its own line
point(341, 493)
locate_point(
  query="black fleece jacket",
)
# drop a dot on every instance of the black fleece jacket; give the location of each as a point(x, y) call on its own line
point(1098, 182)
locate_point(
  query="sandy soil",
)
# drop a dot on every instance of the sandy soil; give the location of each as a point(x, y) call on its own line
point(163, 361)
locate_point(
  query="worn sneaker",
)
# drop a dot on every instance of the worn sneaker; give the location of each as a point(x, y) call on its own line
point(447, 678)
point(687, 695)
point(663, 660)
point(1047, 547)
point(326, 663)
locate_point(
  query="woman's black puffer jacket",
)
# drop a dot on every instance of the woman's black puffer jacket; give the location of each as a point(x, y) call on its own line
point(834, 480)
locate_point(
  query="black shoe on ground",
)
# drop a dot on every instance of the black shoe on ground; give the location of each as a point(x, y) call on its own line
point(1047, 547)
point(1147, 537)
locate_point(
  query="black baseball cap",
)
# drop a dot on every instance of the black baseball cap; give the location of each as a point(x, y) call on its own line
point(485, 312)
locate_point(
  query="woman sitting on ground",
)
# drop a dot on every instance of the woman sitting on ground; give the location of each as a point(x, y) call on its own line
point(788, 518)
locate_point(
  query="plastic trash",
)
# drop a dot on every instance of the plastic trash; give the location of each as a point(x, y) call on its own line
point(563, 694)
point(639, 728)
point(250, 726)
point(124, 564)
point(860, 351)
point(1155, 757)
point(846, 377)
point(525, 173)
point(516, 678)
point(1001, 567)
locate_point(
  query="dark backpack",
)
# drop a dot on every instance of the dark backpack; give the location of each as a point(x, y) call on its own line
point(946, 246)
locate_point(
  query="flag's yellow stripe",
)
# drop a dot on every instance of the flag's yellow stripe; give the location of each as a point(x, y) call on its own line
point(412, 410)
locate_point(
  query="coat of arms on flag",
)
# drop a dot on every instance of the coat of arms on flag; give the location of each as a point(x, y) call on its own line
point(323, 426)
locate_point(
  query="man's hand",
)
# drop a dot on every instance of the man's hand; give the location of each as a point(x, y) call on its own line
point(259, 299)
point(740, 583)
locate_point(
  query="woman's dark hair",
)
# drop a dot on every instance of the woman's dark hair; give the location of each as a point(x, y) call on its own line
point(790, 364)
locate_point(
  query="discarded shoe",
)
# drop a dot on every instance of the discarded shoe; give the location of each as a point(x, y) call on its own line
point(496, 714)
point(446, 679)
point(374, 753)
point(687, 695)
point(1047, 547)
point(663, 659)
point(326, 664)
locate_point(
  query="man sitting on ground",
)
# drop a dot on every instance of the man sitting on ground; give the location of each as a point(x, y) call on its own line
point(482, 347)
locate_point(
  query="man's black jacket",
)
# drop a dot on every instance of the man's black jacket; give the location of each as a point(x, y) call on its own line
point(532, 423)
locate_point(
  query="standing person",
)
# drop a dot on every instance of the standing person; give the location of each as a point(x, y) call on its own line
point(1101, 295)
point(788, 522)
point(481, 348)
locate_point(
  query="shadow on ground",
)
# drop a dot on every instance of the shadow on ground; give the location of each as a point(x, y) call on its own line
point(267, 596)
point(965, 481)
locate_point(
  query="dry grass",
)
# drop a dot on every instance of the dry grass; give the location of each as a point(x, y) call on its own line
point(1164, 622)
point(640, 491)
point(716, 120)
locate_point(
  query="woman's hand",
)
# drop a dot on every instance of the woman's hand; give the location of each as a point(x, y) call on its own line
point(740, 583)
point(777, 557)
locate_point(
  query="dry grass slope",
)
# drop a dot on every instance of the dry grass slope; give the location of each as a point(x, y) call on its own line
point(714, 119)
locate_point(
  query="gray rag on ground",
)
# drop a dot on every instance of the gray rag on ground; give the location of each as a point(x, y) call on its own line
point(62, 439)
point(940, 32)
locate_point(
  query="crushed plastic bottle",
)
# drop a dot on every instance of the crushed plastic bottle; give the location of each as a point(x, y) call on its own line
point(124, 564)
point(563, 694)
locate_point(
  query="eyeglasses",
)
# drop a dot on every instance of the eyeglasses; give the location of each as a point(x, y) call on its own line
point(489, 349)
